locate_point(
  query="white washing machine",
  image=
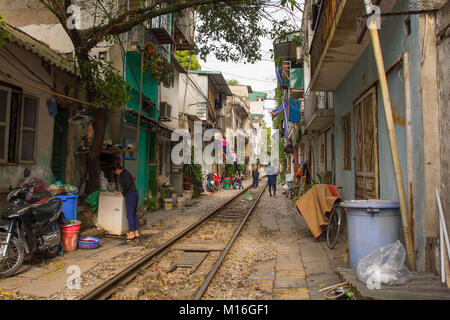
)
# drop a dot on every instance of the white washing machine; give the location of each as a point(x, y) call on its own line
point(112, 213)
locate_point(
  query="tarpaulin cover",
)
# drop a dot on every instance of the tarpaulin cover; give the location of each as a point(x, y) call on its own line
point(314, 205)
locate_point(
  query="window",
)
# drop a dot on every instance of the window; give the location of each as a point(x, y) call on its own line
point(102, 55)
point(18, 122)
point(28, 128)
point(346, 142)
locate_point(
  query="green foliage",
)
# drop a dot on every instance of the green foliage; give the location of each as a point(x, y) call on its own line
point(314, 181)
point(269, 135)
point(230, 169)
point(101, 78)
point(158, 67)
point(233, 31)
point(195, 172)
point(151, 203)
point(232, 82)
point(183, 58)
point(3, 34)
point(298, 135)
point(277, 124)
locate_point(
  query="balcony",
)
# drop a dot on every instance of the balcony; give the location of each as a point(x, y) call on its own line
point(161, 28)
point(316, 118)
point(338, 41)
point(240, 106)
point(184, 29)
point(289, 50)
point(296, 83)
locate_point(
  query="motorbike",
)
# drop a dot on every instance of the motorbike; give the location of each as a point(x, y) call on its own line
point(30, 225)
point(211, 185)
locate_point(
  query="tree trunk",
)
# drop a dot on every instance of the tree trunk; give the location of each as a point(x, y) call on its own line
point(99, 116)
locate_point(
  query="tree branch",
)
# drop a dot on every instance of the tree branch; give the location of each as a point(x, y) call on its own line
point(119, 25)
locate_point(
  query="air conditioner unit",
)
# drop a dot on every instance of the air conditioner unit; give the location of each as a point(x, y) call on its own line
point(165, 111)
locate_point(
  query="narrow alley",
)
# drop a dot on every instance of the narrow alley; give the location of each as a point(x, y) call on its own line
point(224, 158)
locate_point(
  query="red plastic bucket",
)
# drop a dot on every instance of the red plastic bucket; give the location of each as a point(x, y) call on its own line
point(70, 236)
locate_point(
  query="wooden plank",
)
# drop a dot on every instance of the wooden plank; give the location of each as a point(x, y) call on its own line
point(423, 286)
point(201, 245)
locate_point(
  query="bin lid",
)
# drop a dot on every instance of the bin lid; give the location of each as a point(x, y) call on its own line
point(67, 196)
point(375, 204)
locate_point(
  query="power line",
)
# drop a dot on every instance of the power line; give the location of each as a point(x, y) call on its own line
point(239, 76)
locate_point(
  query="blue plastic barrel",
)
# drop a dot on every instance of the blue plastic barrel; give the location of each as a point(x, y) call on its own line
point(69, 206)
point(371, 225)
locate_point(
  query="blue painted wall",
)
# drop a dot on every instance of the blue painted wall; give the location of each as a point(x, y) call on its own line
point(394, 41)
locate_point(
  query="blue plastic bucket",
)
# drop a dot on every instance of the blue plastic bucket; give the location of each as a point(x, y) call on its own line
point(371, 225)
point(69, 207)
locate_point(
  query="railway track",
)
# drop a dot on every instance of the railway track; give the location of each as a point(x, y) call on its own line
point(191, 243)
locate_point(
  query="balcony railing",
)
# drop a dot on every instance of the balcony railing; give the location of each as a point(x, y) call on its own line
point(161, 28)
point(310, 105)
point(318, 111)
point(325, 20)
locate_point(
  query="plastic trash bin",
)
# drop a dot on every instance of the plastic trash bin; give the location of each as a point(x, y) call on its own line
point(69, 207)
point(371, 225)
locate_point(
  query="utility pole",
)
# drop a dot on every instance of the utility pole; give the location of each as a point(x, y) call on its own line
point(372, 26)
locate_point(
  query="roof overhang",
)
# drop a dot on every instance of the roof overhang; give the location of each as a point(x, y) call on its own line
point(39, 48)
point(332, 57)
point(218, 80)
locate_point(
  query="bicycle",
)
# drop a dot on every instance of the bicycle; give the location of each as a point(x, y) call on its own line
point(334, 225)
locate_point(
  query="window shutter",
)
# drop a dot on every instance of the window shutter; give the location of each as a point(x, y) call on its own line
point(28, 128)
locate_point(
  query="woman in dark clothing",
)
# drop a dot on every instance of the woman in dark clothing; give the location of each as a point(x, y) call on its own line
point(129, 191)
point(255, 176)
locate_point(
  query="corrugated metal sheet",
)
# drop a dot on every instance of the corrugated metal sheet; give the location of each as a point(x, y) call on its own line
point(39, 48)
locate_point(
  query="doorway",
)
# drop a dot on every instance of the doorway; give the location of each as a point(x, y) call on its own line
point(60, 144)
point(366, 146)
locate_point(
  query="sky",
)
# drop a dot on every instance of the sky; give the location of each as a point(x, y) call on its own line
point(260, 75)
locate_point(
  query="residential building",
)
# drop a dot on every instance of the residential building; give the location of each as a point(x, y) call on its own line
point(237, 120)
point(291, 80)
point(167, 33)
point(257, 124)
point(342, 61)
point(204, 94)
point(34, 129)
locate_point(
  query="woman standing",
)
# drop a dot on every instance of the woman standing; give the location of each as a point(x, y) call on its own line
point(129, 191)
point(271, 173)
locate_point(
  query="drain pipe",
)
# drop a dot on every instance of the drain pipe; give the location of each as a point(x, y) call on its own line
point(372, 26)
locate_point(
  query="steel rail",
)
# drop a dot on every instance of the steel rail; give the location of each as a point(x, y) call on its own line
point(218, 263)
point(106, 289)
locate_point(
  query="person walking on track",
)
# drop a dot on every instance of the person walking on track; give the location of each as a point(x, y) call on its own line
point(255, 176)
point(129, 191)
point(271, 173)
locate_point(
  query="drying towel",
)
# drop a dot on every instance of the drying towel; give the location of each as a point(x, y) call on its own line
point(314, 204)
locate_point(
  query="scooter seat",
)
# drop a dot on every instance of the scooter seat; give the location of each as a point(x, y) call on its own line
point(52, 206)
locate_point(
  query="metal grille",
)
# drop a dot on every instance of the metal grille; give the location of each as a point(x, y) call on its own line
point(424, 4)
